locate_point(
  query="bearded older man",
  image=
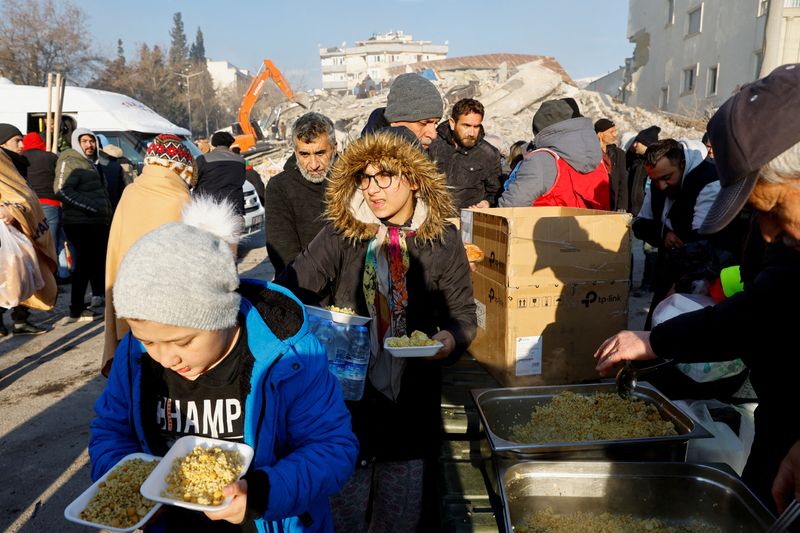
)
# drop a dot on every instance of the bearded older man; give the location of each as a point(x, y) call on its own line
point(756, 141)
point(295, 198)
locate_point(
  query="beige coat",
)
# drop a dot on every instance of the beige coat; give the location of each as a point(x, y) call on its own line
point(19, 198)
point(155, 198)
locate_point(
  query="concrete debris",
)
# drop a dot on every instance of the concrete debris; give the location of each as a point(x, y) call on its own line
point(510, 106)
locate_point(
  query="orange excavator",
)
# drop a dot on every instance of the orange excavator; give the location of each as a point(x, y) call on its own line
point(248, 133)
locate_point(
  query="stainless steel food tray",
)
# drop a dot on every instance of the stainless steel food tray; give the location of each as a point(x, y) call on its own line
point(501, 409)
point(676, 493)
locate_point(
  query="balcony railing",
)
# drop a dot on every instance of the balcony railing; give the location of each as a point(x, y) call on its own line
point(791, 3)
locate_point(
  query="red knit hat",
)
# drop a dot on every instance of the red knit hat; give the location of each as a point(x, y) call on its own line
point(168, 151)
point(33, 141)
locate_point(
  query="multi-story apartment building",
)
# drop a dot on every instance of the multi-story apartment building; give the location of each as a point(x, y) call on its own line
point(225, 75)
point(691, 55)
point(345, 67)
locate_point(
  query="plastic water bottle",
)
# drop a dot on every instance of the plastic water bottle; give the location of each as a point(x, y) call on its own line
point(355, 371)
point(326, 334)
point(341, 347)
point(313, 324)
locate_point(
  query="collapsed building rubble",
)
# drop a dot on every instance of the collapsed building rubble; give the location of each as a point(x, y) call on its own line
point(510, 105)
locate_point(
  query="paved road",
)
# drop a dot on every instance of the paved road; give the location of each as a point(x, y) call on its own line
point(48, 385)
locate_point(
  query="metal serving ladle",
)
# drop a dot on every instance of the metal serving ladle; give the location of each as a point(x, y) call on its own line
point(628, 376)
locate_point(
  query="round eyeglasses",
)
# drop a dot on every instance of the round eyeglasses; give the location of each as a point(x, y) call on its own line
point(382, 180)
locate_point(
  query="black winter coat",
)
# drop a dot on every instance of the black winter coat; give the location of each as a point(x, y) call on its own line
point(293, 215)
point(41, 172)
point(439, 295)
point(220, 174)
point(759, 326)
point(618, 179)
point(472, 174)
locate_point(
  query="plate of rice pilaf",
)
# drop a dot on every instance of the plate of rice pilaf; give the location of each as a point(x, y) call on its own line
point(194, 472)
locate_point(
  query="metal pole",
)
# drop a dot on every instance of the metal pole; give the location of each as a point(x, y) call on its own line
point(189, 93)
point(48, 119)
point(60, 83)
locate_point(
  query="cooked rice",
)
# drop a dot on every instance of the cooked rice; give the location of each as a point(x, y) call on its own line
point(572, 417)
point(117, 502)
point(200, 476)
point(547, 521)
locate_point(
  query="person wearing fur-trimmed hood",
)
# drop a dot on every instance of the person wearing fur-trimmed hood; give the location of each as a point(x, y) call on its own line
point(209, 355)
point(388, 252)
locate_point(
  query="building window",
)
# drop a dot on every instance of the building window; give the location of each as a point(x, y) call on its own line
point(763, 6)
point(689, 75)
point(695, 21)
point(713, 77)
point(663, 99)
point(670, 12)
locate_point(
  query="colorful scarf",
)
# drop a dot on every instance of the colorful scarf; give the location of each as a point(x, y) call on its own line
point(384, 284)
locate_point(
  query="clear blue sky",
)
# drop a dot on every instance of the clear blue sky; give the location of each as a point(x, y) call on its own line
point(586, 36)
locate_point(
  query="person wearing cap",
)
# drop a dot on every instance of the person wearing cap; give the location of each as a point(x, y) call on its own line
point(634, 163)
point(221, 173)
point(209, 355)
point(756, 139)
point(470, 162)
point(413, 109)
point(566, 168)
point(20, 209)
point(614, 161)
point(683, 185)
point(113, 173)
point(707, 143)
point(86, 208)
point(155, 198)
point(295, 198)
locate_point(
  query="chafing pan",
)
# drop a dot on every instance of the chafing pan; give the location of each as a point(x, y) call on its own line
point(501, 409)
point(676, 493)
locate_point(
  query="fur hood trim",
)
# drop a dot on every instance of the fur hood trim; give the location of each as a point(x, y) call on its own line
point(349, 213)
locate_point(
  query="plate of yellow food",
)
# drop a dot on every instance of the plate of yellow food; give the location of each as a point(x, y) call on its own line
point(194, 471)
point(340, 315)
point(114, 502)
point(415, 345)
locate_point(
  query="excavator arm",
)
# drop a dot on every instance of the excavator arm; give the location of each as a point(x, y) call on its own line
point(267, 71)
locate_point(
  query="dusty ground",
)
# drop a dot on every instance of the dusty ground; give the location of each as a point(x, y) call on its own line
point(48, 385)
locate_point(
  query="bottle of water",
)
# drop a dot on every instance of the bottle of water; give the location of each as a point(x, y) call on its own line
point(355, 371)
point(313, 324)
point(341, 346)
point(326, 334)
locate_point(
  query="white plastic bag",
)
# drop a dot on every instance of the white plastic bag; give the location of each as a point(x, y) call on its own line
point(726, 446)
point(678, 304)
point(19, 267)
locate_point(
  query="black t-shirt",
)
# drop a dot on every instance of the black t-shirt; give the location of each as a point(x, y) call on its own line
point(210, 406)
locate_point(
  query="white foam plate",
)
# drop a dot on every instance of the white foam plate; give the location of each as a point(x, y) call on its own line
point(157, 482)
point(339, 318)
point(73, 510)
point(411, 351)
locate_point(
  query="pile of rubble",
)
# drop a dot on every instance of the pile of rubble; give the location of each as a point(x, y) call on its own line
point(509, 104)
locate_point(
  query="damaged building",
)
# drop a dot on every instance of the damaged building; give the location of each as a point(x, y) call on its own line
point(691, 55)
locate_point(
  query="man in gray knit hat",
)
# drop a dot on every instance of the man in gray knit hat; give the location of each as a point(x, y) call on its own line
point(413, 109)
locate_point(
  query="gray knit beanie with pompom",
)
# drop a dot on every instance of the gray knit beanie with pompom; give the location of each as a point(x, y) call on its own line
point(184, 273)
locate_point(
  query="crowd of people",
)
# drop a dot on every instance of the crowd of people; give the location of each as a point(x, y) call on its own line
point(367, 228)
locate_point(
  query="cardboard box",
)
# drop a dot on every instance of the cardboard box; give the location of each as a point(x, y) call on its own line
point(553, 286)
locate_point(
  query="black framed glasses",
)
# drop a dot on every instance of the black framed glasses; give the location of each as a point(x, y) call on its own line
point(382, 179)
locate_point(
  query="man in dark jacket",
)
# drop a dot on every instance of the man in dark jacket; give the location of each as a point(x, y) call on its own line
point(295, 198)
point(221, 173)
point(756, 139)
point(413, 109)
point(614, 161)
point(80, 187)
point(113, 174)
point(634, 163)
point(471, 164)
point(683, 185)
point(567, 166)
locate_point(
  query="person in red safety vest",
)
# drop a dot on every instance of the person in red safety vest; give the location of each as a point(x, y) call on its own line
point(567, 167)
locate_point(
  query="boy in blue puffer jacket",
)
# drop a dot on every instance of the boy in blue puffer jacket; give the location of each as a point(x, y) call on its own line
point(209, 356)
